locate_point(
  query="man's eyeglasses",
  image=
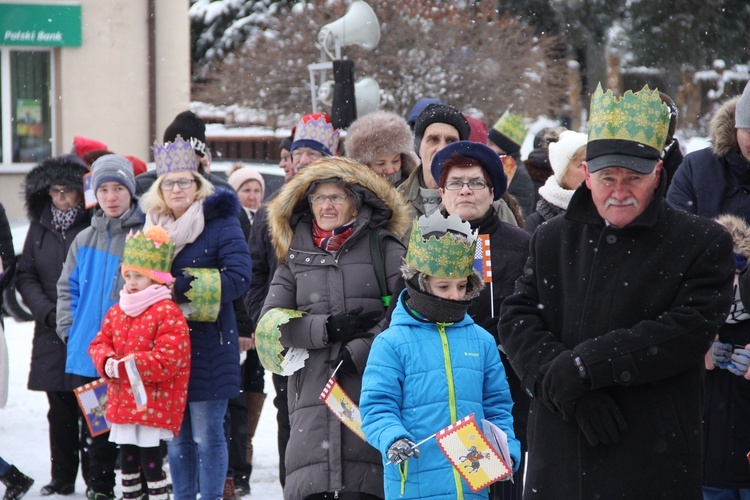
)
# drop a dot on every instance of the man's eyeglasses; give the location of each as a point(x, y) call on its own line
point(319, 199)
point(61, 192)
point(312, 154)
point(458, 185)
point(182, 183)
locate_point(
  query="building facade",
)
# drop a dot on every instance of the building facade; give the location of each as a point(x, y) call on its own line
point(117, 71)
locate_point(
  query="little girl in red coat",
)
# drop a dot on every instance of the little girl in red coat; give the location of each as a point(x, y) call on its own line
point(146, 327)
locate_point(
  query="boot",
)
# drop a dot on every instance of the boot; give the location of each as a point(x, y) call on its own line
point(16, 483)
point(131, 486)
point(254, 406)
point(229, 493)
point(158, 490)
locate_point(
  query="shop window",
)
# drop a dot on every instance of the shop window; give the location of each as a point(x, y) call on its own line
point(26, 118)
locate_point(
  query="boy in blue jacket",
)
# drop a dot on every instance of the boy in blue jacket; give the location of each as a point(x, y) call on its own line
point(433, 366)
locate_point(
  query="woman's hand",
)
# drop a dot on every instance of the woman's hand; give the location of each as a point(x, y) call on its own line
point(247, 343)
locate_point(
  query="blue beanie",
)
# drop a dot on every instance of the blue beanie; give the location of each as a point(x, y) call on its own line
point(488, 159)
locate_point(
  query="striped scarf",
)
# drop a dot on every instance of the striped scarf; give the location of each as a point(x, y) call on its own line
point(331, 241)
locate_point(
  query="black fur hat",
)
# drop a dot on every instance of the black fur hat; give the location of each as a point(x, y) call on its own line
point(60, 170)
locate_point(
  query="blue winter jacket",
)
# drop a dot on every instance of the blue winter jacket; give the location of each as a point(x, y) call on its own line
point(90, 284)
point(421, 378)
point(215, 355)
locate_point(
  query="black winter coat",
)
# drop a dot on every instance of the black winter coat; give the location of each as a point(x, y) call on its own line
point(640, 305)
point(7, 254)
point(509, 250)
point(38, 270)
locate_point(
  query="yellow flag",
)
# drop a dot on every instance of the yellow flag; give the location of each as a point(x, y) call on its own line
point(471, 455)
point(342, 406)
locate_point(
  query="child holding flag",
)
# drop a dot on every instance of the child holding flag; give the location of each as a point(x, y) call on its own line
point(147, 331)
point(433, 366)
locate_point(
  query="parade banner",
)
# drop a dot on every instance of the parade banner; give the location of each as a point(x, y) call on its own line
point(483, 258)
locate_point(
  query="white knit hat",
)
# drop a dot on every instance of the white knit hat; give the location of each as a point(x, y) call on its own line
point(562, 151)
point(742, 112)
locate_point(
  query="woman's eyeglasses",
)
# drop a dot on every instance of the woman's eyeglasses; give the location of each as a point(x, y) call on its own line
point(182, 183)
point(458, 185)
point(319, 199)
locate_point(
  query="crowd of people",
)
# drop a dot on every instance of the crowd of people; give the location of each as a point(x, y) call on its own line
point(604, 334)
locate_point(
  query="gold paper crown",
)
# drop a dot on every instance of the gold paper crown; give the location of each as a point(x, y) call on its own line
point(435, 250)
point(640, 117)
point(174, 156)
point(512, 127)
point(149, 253)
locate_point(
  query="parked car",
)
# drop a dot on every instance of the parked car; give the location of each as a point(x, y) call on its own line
point(13, 305)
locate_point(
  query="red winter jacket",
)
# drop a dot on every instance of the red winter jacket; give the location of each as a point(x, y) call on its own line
point(160, 340)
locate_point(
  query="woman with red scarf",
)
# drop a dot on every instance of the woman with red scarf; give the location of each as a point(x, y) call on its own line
point(322, 224)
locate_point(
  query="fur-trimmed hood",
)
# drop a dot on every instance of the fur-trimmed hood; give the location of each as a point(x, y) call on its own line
point(387, 208)
point(381, 133)
point(60, 171)
point(721, 129)
point(740, 232)
point(222, 203)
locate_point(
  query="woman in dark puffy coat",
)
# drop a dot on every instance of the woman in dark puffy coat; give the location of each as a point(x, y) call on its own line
point(321, 225)
point(54, 204)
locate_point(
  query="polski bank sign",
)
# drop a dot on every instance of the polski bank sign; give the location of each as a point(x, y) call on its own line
point(44, 25)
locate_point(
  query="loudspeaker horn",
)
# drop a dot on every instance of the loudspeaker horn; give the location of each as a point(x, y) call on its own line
point(366, 95)
point(359, 26)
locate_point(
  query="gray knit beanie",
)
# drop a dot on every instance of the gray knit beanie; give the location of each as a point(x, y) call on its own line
point(113, 168)
point(742, 113)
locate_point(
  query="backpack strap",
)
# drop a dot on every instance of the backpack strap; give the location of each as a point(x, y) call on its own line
point(378, 263)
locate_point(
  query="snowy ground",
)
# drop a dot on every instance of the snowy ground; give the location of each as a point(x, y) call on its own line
point(23, 427)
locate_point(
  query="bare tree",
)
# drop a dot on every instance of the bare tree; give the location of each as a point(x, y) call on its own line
point(463, 55)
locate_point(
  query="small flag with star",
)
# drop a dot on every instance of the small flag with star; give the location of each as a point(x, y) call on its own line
point(471, 454)
point(342, 406)
point(483, 258)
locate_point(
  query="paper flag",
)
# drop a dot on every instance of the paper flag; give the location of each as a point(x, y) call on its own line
point(483, 258)
point(471, 454)
point(204, 294)
point(92, 398)
point(89, 197)
point(267, 334)
point(136, 383)
point(342, 406)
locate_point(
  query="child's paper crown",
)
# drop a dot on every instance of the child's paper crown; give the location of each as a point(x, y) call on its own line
point(150, 253)
point(440, 247)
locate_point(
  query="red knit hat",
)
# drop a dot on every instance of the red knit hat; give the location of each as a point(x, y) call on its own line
point(83, 145)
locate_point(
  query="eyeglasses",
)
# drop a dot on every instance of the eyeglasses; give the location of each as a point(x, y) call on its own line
point(319, 199)
point(458, 185)
point(60, 192)
point(312, 154)
point(183, 183)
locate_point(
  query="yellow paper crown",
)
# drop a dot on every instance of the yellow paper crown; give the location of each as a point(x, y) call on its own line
point(150, 253)
point(174, 157)
point(435, 250)
point(640, 117)
point(512, 126)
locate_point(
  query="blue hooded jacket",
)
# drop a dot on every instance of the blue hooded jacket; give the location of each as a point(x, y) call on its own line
point(422, 377)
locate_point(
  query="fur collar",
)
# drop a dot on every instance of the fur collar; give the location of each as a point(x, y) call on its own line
point(222, 203)
point(387, 207)
point(740, 232)
point(721, 129)
point(555, 194)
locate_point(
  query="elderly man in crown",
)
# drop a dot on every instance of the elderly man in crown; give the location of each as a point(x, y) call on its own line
point(608, 325)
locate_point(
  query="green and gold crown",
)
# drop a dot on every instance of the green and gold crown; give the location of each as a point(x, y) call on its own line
point(150, 253)
point(512, 126)
point(174, 156)
point(640, 117)
point(440, 247)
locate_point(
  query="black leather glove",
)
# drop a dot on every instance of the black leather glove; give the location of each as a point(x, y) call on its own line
point(402, 449)
point(345, 358)
point(352, 325)
point(599, 418)
point(564, 382)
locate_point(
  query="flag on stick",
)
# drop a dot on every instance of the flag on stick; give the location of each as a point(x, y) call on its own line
point(482, 258)
point(92, 398)
point(472, 456)
point(342, 406)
